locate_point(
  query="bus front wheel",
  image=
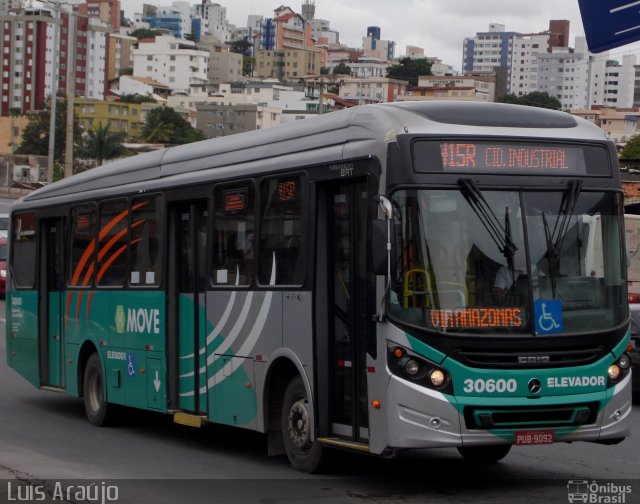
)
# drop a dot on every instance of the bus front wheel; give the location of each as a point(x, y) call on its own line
point(303, 453)
point(484, 454)
point(95, 403)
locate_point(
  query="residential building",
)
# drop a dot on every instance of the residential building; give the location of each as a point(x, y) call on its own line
point(214, 17)
point(108, 11)
point(219, 119)
point(364, 68)
point(619, 126)
point(289, 64)
point(472, 87)
point(176, 63)
point(372, 90)
point(121, 117)
point(175, 18)
point(291, 31)
point(611, 84)
point(7, 6)
point(223, 65)
point(11, 129)
point(564, 74)
point(134, 85)
point(28, 57)
point(120, 54)
point(524, 62)
point(414, 52)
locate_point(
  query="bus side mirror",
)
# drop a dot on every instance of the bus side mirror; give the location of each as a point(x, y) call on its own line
point(379, 246)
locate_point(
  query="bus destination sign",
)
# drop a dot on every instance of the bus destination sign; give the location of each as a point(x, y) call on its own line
point(505, 158)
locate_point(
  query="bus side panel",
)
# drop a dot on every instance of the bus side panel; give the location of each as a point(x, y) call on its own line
point(128, 330)
point(246, 325)
point(22, 334)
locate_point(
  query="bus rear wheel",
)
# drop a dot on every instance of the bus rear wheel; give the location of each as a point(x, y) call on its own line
point(304, 455)
point(95, 404)
point(484, 454)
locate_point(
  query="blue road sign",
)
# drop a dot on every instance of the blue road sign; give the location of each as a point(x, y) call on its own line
point(610, 23)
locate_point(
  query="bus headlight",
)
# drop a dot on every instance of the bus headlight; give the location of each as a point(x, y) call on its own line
point(613, 372)
point(411, 367)
point(437, 377)
point(624, 361)
point(417, 369)
point(3, 273)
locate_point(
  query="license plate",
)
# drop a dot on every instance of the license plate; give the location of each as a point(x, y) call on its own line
point(535, 437)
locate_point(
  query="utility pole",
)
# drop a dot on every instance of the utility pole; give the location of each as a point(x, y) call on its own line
point(71, 93)
point(57, 5)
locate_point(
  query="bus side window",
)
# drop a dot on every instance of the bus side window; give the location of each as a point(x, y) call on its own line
point(23, 257)
point(233, 235)
point(145, 257)
point(83, 236)
point(112, 246)
point(282, 245)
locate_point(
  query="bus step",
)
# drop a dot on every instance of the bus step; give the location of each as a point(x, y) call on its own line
point(49, 388)
point(341, 443)
point(188, 419)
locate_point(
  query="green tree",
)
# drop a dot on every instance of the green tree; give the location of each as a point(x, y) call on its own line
point(240, 46)
point(35, 137)
point(409, 69)
point(324, 71)
point(136, 98)
point(631, 149)
point(248, 63)
point(100, 144)
point(534, 99)
point(142, 33)
point(342, 69)
point(165, 125)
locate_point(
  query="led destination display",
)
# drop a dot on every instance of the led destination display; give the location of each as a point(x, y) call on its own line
point(505, 157)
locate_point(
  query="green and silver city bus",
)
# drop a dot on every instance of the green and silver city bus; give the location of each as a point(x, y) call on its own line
point(381, 278)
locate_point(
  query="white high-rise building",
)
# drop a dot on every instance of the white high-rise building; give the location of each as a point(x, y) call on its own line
point(564, 74)
point(524, 62)
point(173, 62)
point(214, 20)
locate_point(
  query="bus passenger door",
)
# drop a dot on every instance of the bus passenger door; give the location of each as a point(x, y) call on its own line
point(188, 242)
point(52, 368)
point(346, 211)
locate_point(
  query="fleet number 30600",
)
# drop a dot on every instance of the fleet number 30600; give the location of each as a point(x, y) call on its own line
point(490, 386)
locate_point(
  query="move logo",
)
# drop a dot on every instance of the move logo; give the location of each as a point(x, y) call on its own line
point(137, 320)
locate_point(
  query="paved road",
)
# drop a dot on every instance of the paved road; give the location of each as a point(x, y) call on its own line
point(45, 436)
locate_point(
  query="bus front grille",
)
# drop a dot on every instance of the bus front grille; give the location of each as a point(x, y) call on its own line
point(495, 359)
point(477, 417)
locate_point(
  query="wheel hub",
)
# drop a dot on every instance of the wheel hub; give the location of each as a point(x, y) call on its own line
point(299, 424)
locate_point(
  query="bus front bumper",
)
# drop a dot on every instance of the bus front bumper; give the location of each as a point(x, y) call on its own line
point(418, 417)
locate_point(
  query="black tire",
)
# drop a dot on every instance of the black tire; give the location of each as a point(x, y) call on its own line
point(304, 455)
point(95, 405)
point(485, 454)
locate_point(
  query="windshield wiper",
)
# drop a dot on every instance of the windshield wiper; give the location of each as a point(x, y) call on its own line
point(555, 238)
point(500, 235)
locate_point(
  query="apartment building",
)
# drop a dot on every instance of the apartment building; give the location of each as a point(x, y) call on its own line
point(214, 20)
point(223, 66)
point(564, 74)
point(524, 62)
point(121, 117)
point(120, 54)
point(471, 87)
point(289, 64)
point(28, 58)
point(176, 63)
point(611, 83)
point(371, 90)
point(219, 119)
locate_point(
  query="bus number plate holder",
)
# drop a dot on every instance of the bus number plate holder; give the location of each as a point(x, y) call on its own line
point(534, 437)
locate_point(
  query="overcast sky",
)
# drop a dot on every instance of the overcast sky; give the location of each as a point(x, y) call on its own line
point(439, 26)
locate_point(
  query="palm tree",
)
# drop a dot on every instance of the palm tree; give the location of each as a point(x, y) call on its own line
point(100, 144)
point(156, 130)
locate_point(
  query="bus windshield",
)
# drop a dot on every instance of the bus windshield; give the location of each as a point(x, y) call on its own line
point(526, 262)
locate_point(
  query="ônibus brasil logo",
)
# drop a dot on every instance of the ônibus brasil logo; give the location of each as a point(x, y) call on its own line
point(137, 320)
point(590, 492)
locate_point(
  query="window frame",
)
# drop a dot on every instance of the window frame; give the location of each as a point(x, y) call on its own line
point(127, 206)
point(161, 215)
point(69, 241)
point(34, 284)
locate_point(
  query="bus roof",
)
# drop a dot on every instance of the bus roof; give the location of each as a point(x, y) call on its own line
point(361, 131)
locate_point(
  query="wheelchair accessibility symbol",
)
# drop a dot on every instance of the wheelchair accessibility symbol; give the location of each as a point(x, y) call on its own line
point(548, 316)
point(131, 364)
